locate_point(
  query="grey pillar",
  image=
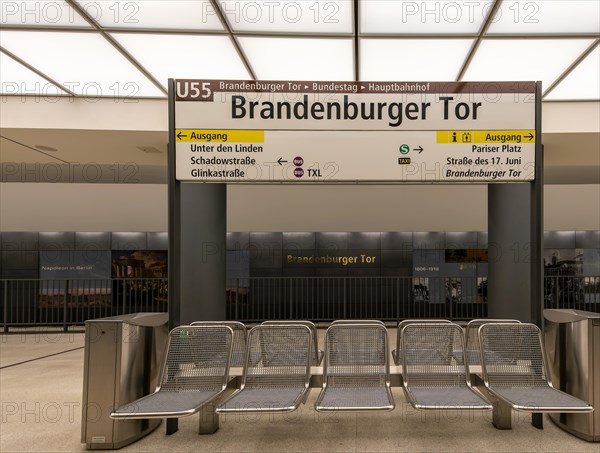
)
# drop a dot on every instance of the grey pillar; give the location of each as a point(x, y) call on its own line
point(515, 242)
point(509, 251)
point(197, 241)
point(203, 230)
point(197, 235)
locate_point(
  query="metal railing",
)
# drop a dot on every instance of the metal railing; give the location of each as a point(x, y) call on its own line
point(329, 298)
point(71, 302)
point(581, 293)
point(28, 302)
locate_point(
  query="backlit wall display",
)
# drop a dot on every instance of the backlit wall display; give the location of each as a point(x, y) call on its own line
point(304, 131)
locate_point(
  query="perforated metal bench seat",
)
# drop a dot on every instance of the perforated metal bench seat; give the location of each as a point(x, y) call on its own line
point(397, 353)
point(165, 405)
point(515, 370)
point(194, 373)
point(240, 339)
point(536, 399)
point(471, 331)
point(264, 399)
point(316, 354)
point(445, 398)
point(276, 375)
point(356, 398)
point(356, 374)
point(435, 375)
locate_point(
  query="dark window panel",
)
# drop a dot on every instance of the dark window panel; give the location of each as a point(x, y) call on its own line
point(587, 239)
point(265, 259)
point(559, 239)
point(238, 241)
point(396, 240)
point(22, 259)
point(461, 239)
point(264, 273)
point(364, 241)
point(332, 241)
point(64, 240)
point(264, 241)
point(158, 240)
point(19, 240)
point(429, 240)
point(129, 241)
point(396, 259)
point(482, 239)
point(299, 241)
point(85, 240)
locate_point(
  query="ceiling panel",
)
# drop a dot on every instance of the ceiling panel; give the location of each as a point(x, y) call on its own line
point(412, 59)
point(154, 14)
point(582, 83)
point(285, 16)
point(12, 151)
point(524, 59)
point(85, 63)
point(40, 13)
point(300, 58)
point(547, 16)
point(430, 16)
point(184, 56)
point(17, 79)
point(86, 147)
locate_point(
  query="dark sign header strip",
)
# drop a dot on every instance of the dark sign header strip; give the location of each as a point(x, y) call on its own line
point(281, 86)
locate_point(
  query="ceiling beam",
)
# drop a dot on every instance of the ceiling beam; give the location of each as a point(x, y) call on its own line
point(486, 24)
point(117, 46)
point(570, 69)
point(233, 38)
point(36, 71)
point(356, 33)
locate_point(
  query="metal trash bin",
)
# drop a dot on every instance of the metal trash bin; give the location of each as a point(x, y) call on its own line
point(572, 340)
point(122, 360)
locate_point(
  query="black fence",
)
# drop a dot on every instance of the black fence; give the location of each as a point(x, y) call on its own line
point(65, 303)
point(329, 298)
point(580, 293)
point(71, 302)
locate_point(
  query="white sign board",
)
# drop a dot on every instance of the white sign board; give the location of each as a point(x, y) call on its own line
point(283, 131)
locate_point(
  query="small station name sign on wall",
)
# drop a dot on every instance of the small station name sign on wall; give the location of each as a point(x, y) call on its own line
point(237, 131)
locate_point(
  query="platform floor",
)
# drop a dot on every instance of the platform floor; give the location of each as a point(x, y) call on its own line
point(41, 376)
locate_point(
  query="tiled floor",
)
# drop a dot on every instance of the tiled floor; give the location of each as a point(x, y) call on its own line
point(41, 387)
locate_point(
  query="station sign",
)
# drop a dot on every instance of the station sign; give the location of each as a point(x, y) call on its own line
point(352, 132)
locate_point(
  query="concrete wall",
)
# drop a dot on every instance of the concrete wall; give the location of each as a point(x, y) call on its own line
point(143, 207)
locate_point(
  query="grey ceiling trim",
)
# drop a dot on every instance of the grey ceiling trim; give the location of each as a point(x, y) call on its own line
point(34, 149)
point(570, 69)
point(549, 101)
point(234, 40)
point(475, 45)
point(116, 45)
point(419, 35)
point(127, 99)
point(46, 28)
point(295, 36)
point(164, 31)
point(279, 34)
point(541, 36)
point(37, 71)
point(162, 99)
point(355, 33)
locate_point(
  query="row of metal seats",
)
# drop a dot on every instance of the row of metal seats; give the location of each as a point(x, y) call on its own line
point(433, 358)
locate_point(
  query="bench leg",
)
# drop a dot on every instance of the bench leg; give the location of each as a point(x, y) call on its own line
point(537, 420)
point(172, 426)
point(502, 415)
point(209, 420)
